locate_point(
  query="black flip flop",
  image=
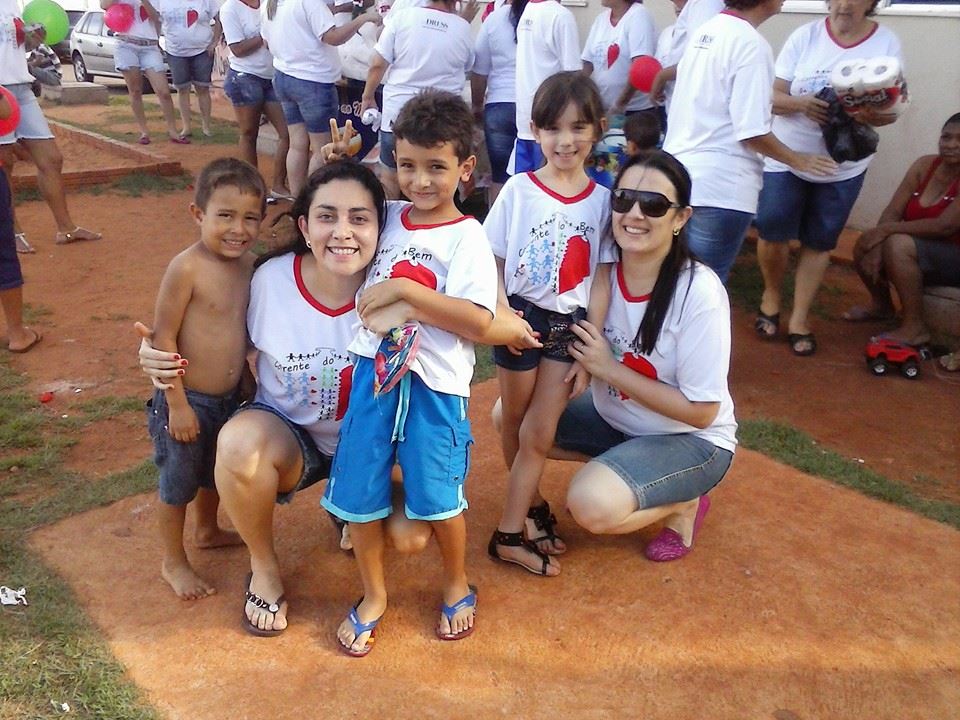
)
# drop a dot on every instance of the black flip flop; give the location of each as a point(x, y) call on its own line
point(274, 607)
point(797, 339)
point(765, 323)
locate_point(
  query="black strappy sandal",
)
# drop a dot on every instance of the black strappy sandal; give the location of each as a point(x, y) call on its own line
point(546, 524)
point(516, 540)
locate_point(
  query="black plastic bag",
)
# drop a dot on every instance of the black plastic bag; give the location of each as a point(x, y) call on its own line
point(846, 138)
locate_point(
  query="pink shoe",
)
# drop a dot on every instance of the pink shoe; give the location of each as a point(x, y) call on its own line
point(668, 545)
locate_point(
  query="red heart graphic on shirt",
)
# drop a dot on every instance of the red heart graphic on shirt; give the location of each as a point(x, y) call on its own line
point(575, 265)
point(640, 365)
point(144, 15)
point(346, 377)
point(613, 52)
point(192, 16)
point(18, 28)
point(419, 273)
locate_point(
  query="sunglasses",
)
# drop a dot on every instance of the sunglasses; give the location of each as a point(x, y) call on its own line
point(652, 204)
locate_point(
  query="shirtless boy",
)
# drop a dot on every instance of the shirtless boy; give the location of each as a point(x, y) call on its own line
point(201, 314)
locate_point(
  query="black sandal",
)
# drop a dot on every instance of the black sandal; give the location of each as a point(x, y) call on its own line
point(546, 524)
point(767, 326)
point(516, 540)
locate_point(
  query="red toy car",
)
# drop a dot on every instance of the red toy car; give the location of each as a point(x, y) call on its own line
point(882, 353)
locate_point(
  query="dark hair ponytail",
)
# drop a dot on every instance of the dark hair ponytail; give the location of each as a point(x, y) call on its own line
point(516, 10)
point(678, 260)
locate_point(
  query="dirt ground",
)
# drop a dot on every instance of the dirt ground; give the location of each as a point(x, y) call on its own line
point(803, 600)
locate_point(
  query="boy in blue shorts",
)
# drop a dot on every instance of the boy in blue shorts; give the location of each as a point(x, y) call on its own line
point(437, 264)
point(201, 313)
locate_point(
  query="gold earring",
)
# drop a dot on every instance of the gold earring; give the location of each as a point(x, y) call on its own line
point(676, 232)
point(309, 246)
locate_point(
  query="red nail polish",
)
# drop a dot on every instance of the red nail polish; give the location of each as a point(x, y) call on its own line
point(176, 357)
point(179, 372)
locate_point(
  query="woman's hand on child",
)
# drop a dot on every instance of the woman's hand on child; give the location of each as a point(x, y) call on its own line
point(183, 424)
point(382, 320)
point(382, 294)
point(591, 350)
point(158, 364)
point(580, 378)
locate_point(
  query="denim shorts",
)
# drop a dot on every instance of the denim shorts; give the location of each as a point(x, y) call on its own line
point(316, 465)
point(555, 336)
point(388, 146)
point(306, 102)
point(128, 56)
point(715, 235)
point(33, 125)
point(196, 70)
point(500, 131)
point(792, 208)
point(246, 89)
point(939, 261)
point(10, 275)
point(425, 431)
point(185, 467)
point(527, 156)
point(659, 469)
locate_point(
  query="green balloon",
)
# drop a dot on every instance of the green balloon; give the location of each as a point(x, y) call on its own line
point(51, 16)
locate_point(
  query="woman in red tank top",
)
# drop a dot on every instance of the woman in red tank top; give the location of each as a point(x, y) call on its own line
point(916, 242)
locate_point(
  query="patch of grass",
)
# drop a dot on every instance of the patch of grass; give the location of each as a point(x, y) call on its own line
point(27, 194)
point(485, 368)
point(33, 312)
point(102, 408)
point(139, 184)
point(797, 449)
point(745, 285)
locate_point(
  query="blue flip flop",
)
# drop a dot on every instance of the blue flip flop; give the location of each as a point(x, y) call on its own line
point(358, 629)
point(449, 611)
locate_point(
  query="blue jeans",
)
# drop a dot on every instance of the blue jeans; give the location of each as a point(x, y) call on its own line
point(248, 90)
point(305, 101)
point(715, 235)
point(500, 132)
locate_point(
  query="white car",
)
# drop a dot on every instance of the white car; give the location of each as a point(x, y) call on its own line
point(91, 48)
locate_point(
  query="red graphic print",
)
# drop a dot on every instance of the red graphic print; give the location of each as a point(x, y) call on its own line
point(346, 376)
point(640, 365)
point(18, 28)
point(575, 266)
point(144, 15)
point(613, 52)
point(419, 273)
point(192, 16)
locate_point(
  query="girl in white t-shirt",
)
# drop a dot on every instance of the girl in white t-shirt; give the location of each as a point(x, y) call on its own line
point(658, 426)
point(546, 229)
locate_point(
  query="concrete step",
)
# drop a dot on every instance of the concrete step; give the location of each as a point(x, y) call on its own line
point(76, 93)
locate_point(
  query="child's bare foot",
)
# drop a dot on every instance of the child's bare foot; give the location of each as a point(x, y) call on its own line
point(355, 633)
point(184, 581)
point(216, 538)
point(458, 613)
point(265, 607)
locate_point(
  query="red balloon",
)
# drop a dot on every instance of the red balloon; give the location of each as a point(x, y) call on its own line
point(119, 17)
point(642, 72)
point(9, 124)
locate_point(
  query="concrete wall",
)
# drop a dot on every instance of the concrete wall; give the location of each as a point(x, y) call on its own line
point(931, 48)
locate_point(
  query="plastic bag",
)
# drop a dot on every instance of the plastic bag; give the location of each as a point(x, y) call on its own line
point(846, 138)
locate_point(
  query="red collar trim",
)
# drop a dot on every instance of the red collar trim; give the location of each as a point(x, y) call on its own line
point(622, 283)
point(313, 302)
point(862, 40)
point(409, 225)
point(567, 200)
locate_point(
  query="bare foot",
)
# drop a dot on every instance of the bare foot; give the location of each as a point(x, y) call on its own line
point(185, 582)
point(368, 610)
point(548, 545)
point(908, 335)
point(463, 618)
point(682, 522)
point(216, 538)
point(270, 590)
point(78, 234)
point(872, 313)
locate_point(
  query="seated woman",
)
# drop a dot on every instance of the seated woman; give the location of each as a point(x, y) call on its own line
point(657, 427)
point(916, 242)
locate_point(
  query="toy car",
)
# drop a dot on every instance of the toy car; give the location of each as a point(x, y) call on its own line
point(883, 353)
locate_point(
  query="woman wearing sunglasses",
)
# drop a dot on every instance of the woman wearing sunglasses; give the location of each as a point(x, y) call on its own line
point(657, 427)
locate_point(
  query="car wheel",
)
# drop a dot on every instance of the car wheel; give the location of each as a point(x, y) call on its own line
point(878, 366)
point(910, 369)
point(80, 69)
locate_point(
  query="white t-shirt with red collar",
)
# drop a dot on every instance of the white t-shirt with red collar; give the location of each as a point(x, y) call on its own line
point(293, 37)
point(551, 244)
point(547, 43)
point(453, 258)
point(612, 48)
point(303, 367)
point(723, 95)
point(691, 354)
point(13, 59)
point(808, 57)
point(186, 25)
point(426, 48)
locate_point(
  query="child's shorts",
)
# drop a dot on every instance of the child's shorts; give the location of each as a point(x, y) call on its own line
point(185, 467)
point(555, 335)
point(425, 431)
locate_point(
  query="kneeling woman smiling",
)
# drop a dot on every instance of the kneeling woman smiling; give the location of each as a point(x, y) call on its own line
point(657, 426)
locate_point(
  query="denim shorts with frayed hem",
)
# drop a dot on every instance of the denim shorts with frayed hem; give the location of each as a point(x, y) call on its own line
point(306, 102)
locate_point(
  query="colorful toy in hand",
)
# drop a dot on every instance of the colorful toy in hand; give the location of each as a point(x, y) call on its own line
point(51, 16)
point(119, 17)
point(876, 83)
point(394, 357)
point(9, 123)
point(643, 70)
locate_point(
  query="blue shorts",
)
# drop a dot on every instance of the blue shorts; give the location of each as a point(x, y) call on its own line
point(33, 125)
point(500, 133)
point(306, 102)
point(185, 467)
point(792, 208)
point(659, 469)
point(388, 146)
point(555, 336)
point(246, 89)
point(527, 156)
point(132, 56)
point(432, 447)
point(715, 235)
point(195, 70)
point(10, 275)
